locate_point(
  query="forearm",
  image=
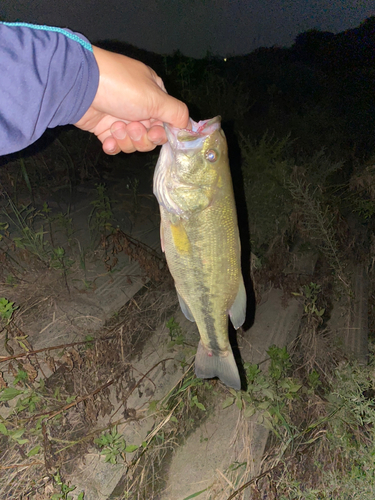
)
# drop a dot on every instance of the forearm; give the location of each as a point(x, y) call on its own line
point(47, 78)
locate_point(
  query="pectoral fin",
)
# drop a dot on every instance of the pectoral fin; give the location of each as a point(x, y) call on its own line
point(185, 308)
point(237, 312)
point(209, 365)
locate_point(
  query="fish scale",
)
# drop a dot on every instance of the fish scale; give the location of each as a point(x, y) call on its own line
point(200, 238)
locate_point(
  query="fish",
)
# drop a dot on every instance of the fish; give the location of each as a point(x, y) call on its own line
point(200, 238)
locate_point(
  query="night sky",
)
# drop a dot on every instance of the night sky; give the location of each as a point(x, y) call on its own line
point(224, 27)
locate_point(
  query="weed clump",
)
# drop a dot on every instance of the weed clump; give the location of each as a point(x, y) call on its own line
point(332, 453)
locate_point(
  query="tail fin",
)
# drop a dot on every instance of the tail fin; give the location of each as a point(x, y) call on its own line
point(224, 367)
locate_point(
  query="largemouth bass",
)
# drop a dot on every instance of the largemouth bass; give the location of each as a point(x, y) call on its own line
point(199, 235)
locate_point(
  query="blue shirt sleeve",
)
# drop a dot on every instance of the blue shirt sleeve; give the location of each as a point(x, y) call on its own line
point(48, 77)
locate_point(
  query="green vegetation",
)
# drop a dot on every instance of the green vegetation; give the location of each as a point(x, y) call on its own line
point(174, 417)
point(47, 239)
point(338, 445)
point(6, 310)
point(265, 170)
point(65, 490)
point(309, 414)
point(101, 216)
point(114, 446)
point(310, 293)
point(24, 220)
point(268, 393)
point(175, 333)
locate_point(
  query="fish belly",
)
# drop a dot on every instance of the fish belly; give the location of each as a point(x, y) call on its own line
point(203, 256)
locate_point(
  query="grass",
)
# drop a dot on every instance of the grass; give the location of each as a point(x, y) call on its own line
point(337, 447)
point(101, 216)
point(174, 416)
point(54, 420)
point(319, 223)
point(48, 240)
point(304, 397)
point(322, 445)
point(305, 402)
point(265, 169)
point(44, 416)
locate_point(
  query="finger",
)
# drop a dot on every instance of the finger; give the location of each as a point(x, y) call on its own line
point(157, 135)
point(138, 135)
point(123, 141)
point(110, 146)
point(131, 137)
point(155, 131)
point(173, 111)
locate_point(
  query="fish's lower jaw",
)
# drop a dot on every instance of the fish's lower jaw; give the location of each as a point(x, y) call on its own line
point(209, 364)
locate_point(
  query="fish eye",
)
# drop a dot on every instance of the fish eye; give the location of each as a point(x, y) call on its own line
point(211, 155)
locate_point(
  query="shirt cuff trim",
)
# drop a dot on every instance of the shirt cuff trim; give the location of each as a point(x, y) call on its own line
point(68, 34)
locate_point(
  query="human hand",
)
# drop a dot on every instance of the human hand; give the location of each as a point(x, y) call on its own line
point(130, 106)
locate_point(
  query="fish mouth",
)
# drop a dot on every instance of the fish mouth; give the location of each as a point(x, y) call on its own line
point(193, 136)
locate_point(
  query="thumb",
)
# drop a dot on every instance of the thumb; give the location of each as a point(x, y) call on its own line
point(172, 111)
